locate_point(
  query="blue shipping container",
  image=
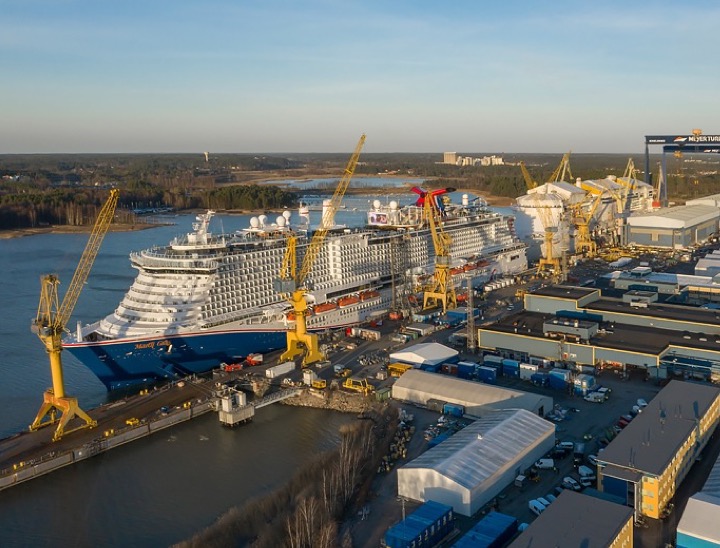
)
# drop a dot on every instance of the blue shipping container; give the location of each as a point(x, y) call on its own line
point(466, 370)
point(439, 439)
point(487, 374)
point(431, 368)
point(415, 530)
point(539, 379)
point(510, 371)
point(557, 383)
point(454, 409)
point(564, 374)
point(493, 531)
point(492, 359)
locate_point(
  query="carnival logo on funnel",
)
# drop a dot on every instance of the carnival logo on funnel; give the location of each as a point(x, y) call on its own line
point(680, 139)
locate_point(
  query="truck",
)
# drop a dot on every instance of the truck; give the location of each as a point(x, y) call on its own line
point(280, 369)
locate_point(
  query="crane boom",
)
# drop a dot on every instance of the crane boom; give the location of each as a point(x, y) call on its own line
point(292, 282)
point(50, 324)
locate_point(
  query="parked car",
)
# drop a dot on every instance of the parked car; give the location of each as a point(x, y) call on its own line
point(641, 403)
point(545, 464)
point(592, 459)
point(542, 500)
point(570, 483)
point(552, 498)
point(536, 507)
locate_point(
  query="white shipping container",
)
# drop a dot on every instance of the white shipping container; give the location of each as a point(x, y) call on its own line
point(309, 376)
point(281, 369)
point(527, 370)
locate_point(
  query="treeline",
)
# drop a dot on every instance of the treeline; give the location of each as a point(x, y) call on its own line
point(33, 207)
point(307, 512)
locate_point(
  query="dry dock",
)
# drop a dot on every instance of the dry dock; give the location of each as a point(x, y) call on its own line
point(28, 455)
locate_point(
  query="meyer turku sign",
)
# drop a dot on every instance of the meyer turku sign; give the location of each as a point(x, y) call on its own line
point(695, 143)
point(682, 139)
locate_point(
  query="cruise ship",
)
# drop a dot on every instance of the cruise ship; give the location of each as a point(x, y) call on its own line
point(206, 298)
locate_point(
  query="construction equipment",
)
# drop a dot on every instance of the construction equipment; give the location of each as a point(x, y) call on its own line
point(547, 262)
point(398, 369)
point(319, 384)
point(441, 292)
point(562, 169)
point(584, 244)
point(358, 385)
point(50, 322)
point(292, 283)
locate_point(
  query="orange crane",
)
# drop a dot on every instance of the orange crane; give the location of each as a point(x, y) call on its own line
point(442, 290)
point(50, 322)
point(291, 282)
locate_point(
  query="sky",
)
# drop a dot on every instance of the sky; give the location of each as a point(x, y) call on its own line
point(273, 76)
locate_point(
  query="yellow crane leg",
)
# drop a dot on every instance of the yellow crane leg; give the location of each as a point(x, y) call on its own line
point(299, 337)
point(55, 400)
point(68, 408)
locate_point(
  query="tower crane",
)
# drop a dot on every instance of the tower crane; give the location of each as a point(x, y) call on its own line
point(628, 181)
point(292, 282)
point(50, 323)
point(441, 291)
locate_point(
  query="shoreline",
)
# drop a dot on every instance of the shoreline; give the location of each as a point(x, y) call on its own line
point(11, 233)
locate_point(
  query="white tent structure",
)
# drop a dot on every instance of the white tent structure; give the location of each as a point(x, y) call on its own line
point(470, 468)
point(425, 354)
point(419, 387)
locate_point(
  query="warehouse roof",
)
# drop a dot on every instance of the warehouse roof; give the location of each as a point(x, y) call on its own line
point(576, 520)
point(653, 438)
point(425, 353)
point(700, 518)
point(674, 217)
point(469, 393)
point(485, 447)
point(565, 292)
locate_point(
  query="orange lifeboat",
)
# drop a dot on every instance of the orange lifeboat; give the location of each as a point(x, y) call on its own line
point(347, 301)
point(324, 307)
point(461, 297)
point(367, 295)
point(291, 316)
point(458, 270)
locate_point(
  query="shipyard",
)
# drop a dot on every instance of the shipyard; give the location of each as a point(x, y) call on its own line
point(505, 363)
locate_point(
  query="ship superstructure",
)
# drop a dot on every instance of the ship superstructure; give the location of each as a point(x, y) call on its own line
point(207, 298)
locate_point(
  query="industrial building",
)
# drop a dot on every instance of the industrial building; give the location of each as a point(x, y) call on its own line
point(579, 328)
point(650, 457)
point(425, 354)
point(672, 228)
point(478, 400)
point(579, 520)
point(698, 525)
point(470, 468)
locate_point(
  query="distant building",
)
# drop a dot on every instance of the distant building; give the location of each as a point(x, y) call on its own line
point(450, 158)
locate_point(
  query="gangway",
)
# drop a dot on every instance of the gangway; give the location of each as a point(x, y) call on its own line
point(232, 407)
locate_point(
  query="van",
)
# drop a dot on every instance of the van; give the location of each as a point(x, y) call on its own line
point(565, 445)
point(536, 507)
point(542, 500)
point(586, 472)
point(545, 464)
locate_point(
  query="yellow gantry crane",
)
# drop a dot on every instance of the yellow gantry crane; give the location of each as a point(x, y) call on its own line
point(562, 169)
point(547, 261)
point(442, 290)
point(50, 325)
point(292, 283)
point(584, 244)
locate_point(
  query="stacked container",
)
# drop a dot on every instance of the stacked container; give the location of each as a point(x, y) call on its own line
point(425, 527)
point(486, 374)
point(510, 368)
point(493, 531)
point(583, 384)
